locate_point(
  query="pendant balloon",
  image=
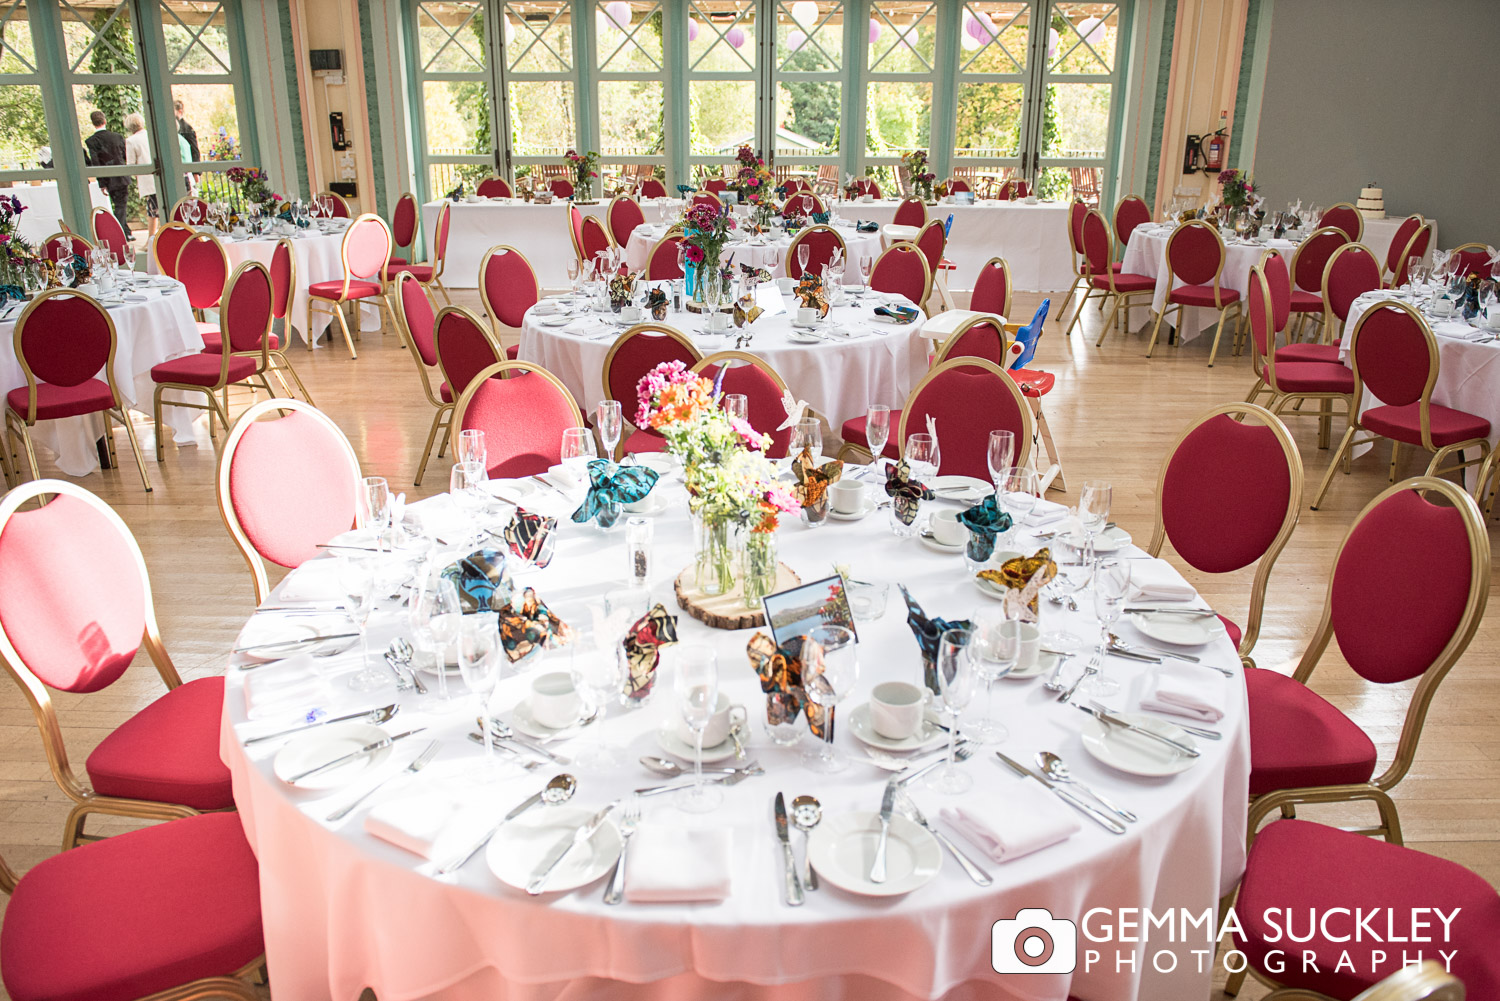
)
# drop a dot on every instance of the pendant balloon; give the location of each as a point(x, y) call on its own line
point(795, 39)
point(805, 13)
point(619, 12)
point(1051, 42)
point(692, 29)
point(1092, 30)
point(874, 31)
point(735, 36)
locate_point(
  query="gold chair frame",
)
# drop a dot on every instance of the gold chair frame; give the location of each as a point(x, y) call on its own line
point(341, 201)
point(335, 306)
point(1120, 298)
point(484, 292)
point(1357, 214)
point(1028, 423)
point(442, 407)
point(1009, 288)
point(280, 363)
point(155, 256)
point(791, 249)
point(504, 369)
point(1081, 274)
point(1321, 319)
point(907, 247)
point(627, 407)
point(437, 345)
point(1238, 306)
point(673, 234)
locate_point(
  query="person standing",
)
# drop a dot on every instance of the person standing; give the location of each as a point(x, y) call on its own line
point(138, 151)
point(187, 131)
point(107, 149)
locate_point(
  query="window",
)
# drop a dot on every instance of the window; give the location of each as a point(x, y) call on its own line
point(899, 85)
point(808, 83)
point(203, 73)
point(631, 95)
point(723, 92)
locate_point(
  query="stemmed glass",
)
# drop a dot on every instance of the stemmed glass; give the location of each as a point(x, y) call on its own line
point(806, 433)
point(479, 666)
point(357, 578)
point(574, 270)
point(435, 613)
point(827, 682)
point(773, 257)
point(471, 451)
point(1017, 493)
point(610, 417)
point(995, 647)
point(877, 430)
point(956, 678)
point(466, 487)
point(1002, 452)
point(577, 450)
point(866, 265)
point(377, 494)
point(598, 677)
point(804, 252)
point(1093, 512)
point(697, 689)
point(922, 456)
point(1111, 585)
point(1416, 277)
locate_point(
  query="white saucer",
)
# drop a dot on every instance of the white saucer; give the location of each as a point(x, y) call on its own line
point(1111, 540)
point(520, 849)
point(925, 535)
point(1179, 630)
point(869, 506)
point(803, 338)
point(664, 463)
point(554, 319)
point(842, 848)
point(653, 503)
point(669, 742)
point(988, 588)
point(1044, 662)
point(510, 491)
point(1133, 753)
point(319, 746)
point(525, 723)
point(863, 728)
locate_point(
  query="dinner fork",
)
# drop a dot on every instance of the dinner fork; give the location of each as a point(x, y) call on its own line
point(1089, 671)
point(615, 892)
point(961, 753)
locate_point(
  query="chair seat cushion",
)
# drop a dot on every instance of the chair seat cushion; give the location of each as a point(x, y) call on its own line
point(1033, 381)
point(1308, 352)
point(334, 289)
point(1234, 631)
point(216, 345)
point(1311, 377)
point(168, 752)
point(1202, 295)
point(1298, 739)
point(513, 352)
point(52, 402)
point(853, 433)
point(201, 370)
point(1297, 867)
point(1127, 283)
point(421, 272)
point(645, 441)
point(135, 914)
point(1306, 302)
point(1404, 424)
point(396, 259)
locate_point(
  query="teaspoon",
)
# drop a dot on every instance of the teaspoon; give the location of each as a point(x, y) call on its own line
point(1057, 770)
point(806, 812)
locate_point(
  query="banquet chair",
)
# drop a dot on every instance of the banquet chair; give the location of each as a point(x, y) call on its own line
point(764, 390)
point(633, 354)
point(363, 254)
point(1352, 271)
point(1345, 217)
point(1130, 212)
point(1015, 188)
point(1472, 259)
point(403, 228)
point(902, 268)
point(285, 486)
point(185, 206)
point(979, 335)
point(65, 344)
point(1309, 261)
point(652, 188)
point(1077, 211)
point(827, 183)
point(1120, 286)
point(714, 185)
point(522, 410)
point(869, 186)
point(171, 911)
point(803, 203)
point(109, 233)
point(911, 212)
point(932, 241)
point(1195, 255)
point(661, 263)
point(967, 398)
point(821, 242)
point(793, 185)
point(957, 184)
point(705, 198)
point(1395, 357)
point(203, 268)
point(52, 248)
point(1407, 242)
point(494, 186)
point(992, 288)
point(464, 344)
point(283, 271)
point(1227, 497)
point(428, 272)
point(161, 762)
point(415, 318)
point(508, 287)
point(593, 239)
point(167, 244)
point(624, 216)
point(338, 204)
point(245, 318)
point(1303, 750)
point(560, 187)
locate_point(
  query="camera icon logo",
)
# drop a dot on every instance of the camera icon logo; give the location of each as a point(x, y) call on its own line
point(1034, 942)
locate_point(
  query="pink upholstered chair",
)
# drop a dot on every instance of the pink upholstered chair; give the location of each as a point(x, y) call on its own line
point(1122, 287)
point(403, 227)
point(763, 388)
point(508, 287)
point(283, 271)
point(1195, 256)
point(57, 633)
point(803, 203)
point(203, 269)
point(1395, 357)
point(1469, 259)
point(662, 263)
point(992, 288)
point(1309, 261)
point(1130, 212)
point(967, 398)
point(624, 216)
point(65, 344)
point(108, 233)
point(1303, 749)
point(365, 250)
point(1403, 247)
point(932, 241)
point(911, 212)
point(430, 272)
point(1227, 497)
point(167, 244)
point(465, 344)
point(821, 242)
point(1345, 217)
point(338, 206)
point(494, 187)
point(59, 244)
point(652, 188)
point(173, 912)
point(867, 186)
point(522, 410)
point(415, 319)
point(287, 481)
point(633, 354)
point(902, 269)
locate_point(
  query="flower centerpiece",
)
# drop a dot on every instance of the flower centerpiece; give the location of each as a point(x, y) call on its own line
point(17, 257)
point(1237, 191)
point(706, 230)
point(584, 172)
point(755, 184)
point(921, 177)
point(254, 185)
point(223, 146)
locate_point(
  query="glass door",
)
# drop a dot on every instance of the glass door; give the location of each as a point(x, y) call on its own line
point(725, 96)
point(1077, 89)
point(630, 88)
point(806, 62)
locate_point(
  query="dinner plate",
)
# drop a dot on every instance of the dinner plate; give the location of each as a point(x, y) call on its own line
point(978, 492)
point(510, 491)
point(663, 462)
point(276, 637)
point(1135, 753)
point(554, 319)
point(1111, 540)
point(331, 742)
point(1179, 630)
point(842, 848)
point(521, 848)
point(672, 744)
point(863, 727)
point(869, 505)
point(800, 337)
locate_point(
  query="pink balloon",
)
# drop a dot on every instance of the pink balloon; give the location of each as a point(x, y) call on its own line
point(987, 30)
point(692, 29)
point(795, 39)
point(874, 31)
point(619, 12)
point(735, 36)
point(1051, 42)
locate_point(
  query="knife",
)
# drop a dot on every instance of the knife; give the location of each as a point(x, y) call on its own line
point(1119, 651)
point(727, 779)
point(887, 803)
point(296, 642)
point(1106, 717)
point(1098, 816)
point(458, 861)
point(1196, 731)
point(378, 715)
point(794, 897)
point(428, 753)
point(1201, 612)
point(1154, 652)
point(580, 836)
point(370, 748)
point(977, 874)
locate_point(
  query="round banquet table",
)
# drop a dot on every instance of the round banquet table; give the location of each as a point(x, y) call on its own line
point(756, 255)
point(344, 910)
point(839, 376)
point(154, 326)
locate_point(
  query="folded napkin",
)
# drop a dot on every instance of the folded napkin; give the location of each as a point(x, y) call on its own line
point(289, 688)
point(846, 223)
point(316, 580)
point(1158, 580)
point(412, 822)
point(677, 865)
point(1027, 819)
point(1045, 513)
point(1185, 691)
point(587, 326)
point(548, 307)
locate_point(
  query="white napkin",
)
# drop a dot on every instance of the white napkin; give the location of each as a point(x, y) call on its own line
point(1027, 819)
point(547, 307)
point(1158, 580)
point(412, 822)
point(315, 580)
point(587, 326)
point(1045, 513)
point(677, 865)
point(290, 687)
point(1185, 691)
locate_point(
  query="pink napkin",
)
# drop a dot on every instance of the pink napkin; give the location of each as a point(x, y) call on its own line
point(677, 865)
point(1026, 819)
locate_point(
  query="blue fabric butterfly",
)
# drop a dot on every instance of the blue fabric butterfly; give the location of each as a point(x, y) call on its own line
point(864, 226)
point(482, 581)
point(820, 218)
point(928, 633)
point(610, 487)
point(984, 521)
point(685, 189)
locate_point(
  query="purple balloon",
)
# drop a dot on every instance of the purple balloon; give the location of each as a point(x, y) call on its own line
point(1051, 42)
point(795, 39)
point(985, 28)
point(874, 30)
point(735, 36)
point(692, 29)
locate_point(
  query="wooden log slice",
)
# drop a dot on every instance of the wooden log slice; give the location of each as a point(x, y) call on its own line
point(726, 611)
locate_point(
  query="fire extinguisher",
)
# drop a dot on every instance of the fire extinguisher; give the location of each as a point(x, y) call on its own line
point(1218, 145)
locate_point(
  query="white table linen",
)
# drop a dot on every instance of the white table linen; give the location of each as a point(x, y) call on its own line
point(1379, 233)
point(541, 232)
point(43, 214)
point(756, 255)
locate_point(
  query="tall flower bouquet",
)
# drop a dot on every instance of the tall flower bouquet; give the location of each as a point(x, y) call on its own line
point(254, 184)
point(584, 172)
point(755, 185)
point(706, 231)
point(1238, 189)
point(18, 255)
point(921, 177)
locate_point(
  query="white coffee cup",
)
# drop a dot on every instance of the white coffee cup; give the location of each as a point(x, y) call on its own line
point(554, 700)
point(717, 729)
point(947, 529)
point(807, 315)
point(718, 322)
point(786, 285)
point(630, 314)
point(896, 709)
point(1031, 643)
point(846, 496)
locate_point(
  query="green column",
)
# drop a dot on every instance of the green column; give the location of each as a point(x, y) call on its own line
point(161, 117)
point(677, 115)
point(57, 100)
point(852, 114)
point(583, 72)
point(945, 56)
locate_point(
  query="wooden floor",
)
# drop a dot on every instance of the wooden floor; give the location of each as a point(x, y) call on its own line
point(1114, 413)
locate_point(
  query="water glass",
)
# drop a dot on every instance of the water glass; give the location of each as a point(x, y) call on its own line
point(1093, 512)
point(479, 665)
point(435, 614)
point(922, 456)
point(807, 434)
point(827, 681)
point(609, 418)
point(697, 690)
point(1111, 586)
point(956, 681)
point(577, 450)
point(995, 647)
point(737, 405)
point(357, 579)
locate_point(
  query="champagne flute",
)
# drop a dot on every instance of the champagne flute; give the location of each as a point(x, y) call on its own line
point(1111, 586)
point(866, 266)
point(609, 417)
point(996, 646)
point(577, 450)
point(471, 451)
point(697, 689)
point(956, 679)
point(479, 666)
point(773, 257)
point(466, 488)
point(435, 615)
point(377, 497)
point(1093, 512)
point(828, 678)
point(877, 430)
point(1002, 451)
point(804, 252)
point(357, 578)
point(574, 270)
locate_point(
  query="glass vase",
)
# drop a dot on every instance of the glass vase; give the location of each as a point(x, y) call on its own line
point(714, 556)
point(758, 568)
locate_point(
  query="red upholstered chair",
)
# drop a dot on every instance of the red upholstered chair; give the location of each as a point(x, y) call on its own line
point(184, 206)
point(283, 271)
point(714, 185)
point(595, 240)
point(1345, 217)
point(1013, 188)
point(1469, 259)
point(1098, 254)
point(932, 241)
point(652, 188)
point(338, 206)
point(624, 216)
point(1403, 247)
point(1296, 868)
point(430, 272)
point(203, 269)
point(662, 262)
point(633, 354)
point(403, 227)
point(246, 317)
point(1195, 256)
point(415, 319)
point(1076, 213)
point(1395, 357)
point(561, 187)
point(167, 244)
point(65, 344)
point(957, 184)
point(705, 198)
point(494, 186)
point(1309, 261)
point(1351, 271)
point(795, 184)
point(1130, 212)
point(522, 410)
point(1302, 749)
point(465, 344)
point(59, 244)
point(978, 336)
point(173, 911)
point(821, 242)
point(1227, 497)
point(509, 287)
point(911, 212)
point(287, 481)
point(992, 288)
point(108, 233)
point(366, 248)
point(967, 398)
point(902, 269)
point(803, 203)
point(764, 390)
point(868, 186)
point(56, 635)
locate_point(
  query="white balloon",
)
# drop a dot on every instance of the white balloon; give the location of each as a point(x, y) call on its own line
point(1092, 30)
point(510, 30)
point(805, 13)
point(795, 39)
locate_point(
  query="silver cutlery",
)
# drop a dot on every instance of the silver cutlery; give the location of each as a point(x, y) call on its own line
point(502, 731)
point(1196, 731)
point(732, 779)
point(399, 657)
point(794, 896)
point(1098, 816)
point(806, 813)
point(301, 609)
point(300, 641)
point(615, 891)
point(960, 753)
point(1089, 670)
point(893, 763)
point(428, 753)
point(559, 789)
point(1057, 770)
point(580, 836)
point(1128, 654)
point(1112, 719)
point(1054, 680)
point(1202, 613)
point(370, 748)
point(376, 716)
point(978, 875)
point(672, 770)
point(402, 685)
point(1124, 649)
point(521, 759)
point(887, 805)
point(351, 547)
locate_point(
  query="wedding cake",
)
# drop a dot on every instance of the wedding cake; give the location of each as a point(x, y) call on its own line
point(1372, 202)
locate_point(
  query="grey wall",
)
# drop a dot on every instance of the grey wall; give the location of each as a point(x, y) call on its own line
point(1390, 91)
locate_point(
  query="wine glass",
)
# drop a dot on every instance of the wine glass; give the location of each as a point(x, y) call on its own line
point(922, 456)
point(598, 677)
point(1002, 452)
point(956, 679)
point(377, 496)
point(1111, 585)
point(574, 270)
point(610, 417)
point(356, 575)
point(807, 433)
point(995, 647)
point(479, 665)
point(877, 430)
point(434, 614)
point(773, 257)
point(866, 265)
point(737, 405)
point(1093, 512)
point(471, 451)
point(1018, 495)
point(804, 252)
point(577, 450)
point(697, 689)
point(466, 488)
point(827, 681)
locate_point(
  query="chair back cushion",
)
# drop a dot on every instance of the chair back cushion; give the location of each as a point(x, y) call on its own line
point(522, 418)
point(1414, 245)
point(463, 348)
point(959, 184)
point(992, 289)
point(1395, 257)
point(282, 287)
point(1096, 248)
point(765, 409)
point(416, 309)
point(60, 244)
point(1076, 212)
point(1390, 348)
point(1474, 261)
point(595, 238)
point(182, 208)
point(901, 269)
point(440, 235)
point(867, 186)
point(714, 185)
point(931, 242)
point(632, 356)
point(561, 187)
point(911, 212)
point(704, 198)
point(1130, 213)
point(1351, 272)
point(1195, 253)
point(169, 241)
point(821, 242)
point(367, 245)
point(663, 263)
point(967, 404)
point(246, 315)
point(404, 221)
point(338, 207)
point(1279, 281)
point(982, 340)
point(1030, 336)
point(624, 216)
point(493, 187)
point(107, 233)
point(803, 203)
point(1312, 257)
point(510, 286)
point(1346, 218)
point(1261, 313)
point(65, 339)
point(203, 268)
point(652, 188)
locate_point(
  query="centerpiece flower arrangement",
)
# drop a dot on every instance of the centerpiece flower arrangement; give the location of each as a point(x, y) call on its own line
point(755, 185)
point(706, 230)
point(18, 256)
point(584, 172)
point(732, 486)
point(254, 185)
point(921, 177)
point(223, 146)
point(1237, 188)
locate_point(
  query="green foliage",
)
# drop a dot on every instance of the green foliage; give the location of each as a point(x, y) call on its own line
point(115, 100)
point(23, 121)
point(811, 107)
point(472, 98)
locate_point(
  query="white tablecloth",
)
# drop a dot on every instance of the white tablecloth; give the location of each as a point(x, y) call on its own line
point(1379, 233)
point(643, 238)
point(147, 334)
point(43, 215)
point(541, 232)
point(344, 911)
point(838, 377)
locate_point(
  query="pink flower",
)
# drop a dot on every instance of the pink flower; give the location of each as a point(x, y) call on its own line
point(694, 253)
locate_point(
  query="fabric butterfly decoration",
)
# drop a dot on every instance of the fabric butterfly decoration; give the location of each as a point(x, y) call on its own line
point(685, 189)
point(656, 304)
point(810, 291)
point(453, 195)
point(530, 626)
point(928, 631)
point(481, 580)
point(612, 486)
point(906, 493)
point(932, 430)
point(1025, 578)
point(745, 310)
point(793, 407)
point(620, 289)
point(751, 272)
point(866, 227)
point(984, 521)
point(528, 535)
point(820, 218)
point(780, 673)
point(643, 642)
point(812, 481)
